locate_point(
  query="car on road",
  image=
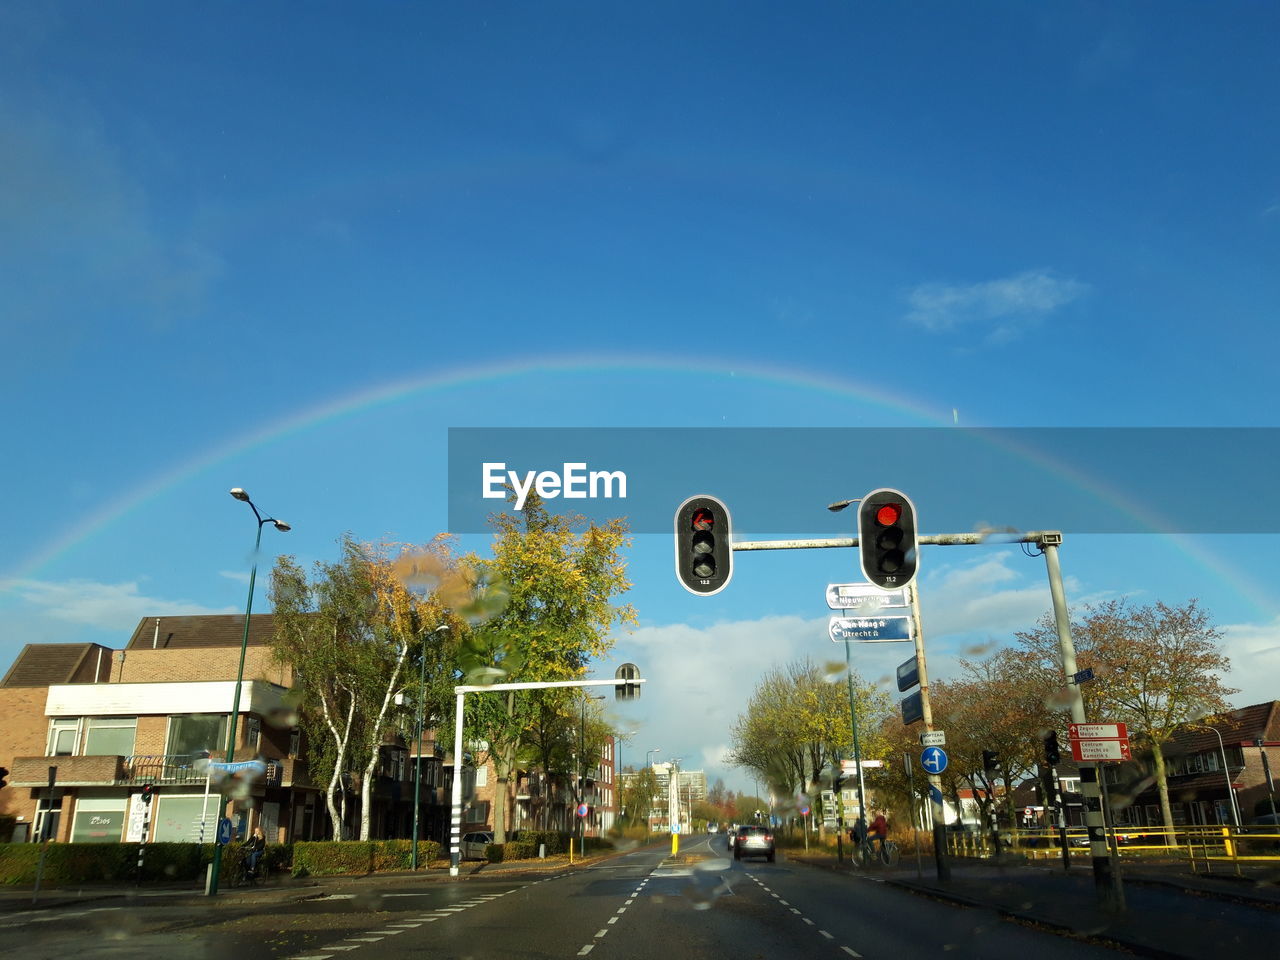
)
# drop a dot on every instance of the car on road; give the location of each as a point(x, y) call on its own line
point(753, 841)
point(474, 846)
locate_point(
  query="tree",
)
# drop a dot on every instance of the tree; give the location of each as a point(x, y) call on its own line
point(348, 633)
point(561, 575)
point(1156, 668)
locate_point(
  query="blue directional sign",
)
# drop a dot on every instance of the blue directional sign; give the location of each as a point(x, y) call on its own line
point(869, 629)
point(935, 795)
point(933, 759)
point(224, 831)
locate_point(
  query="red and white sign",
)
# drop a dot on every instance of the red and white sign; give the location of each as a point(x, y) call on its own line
point(1088, 751)
point(1097, 731)
point(1091, 742)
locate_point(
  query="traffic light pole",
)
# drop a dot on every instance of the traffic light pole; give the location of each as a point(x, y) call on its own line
point(1105, 878)
point(940, 861)
point(1106, 881)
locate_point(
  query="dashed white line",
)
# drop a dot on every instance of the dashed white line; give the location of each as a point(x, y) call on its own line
point(807, 920)
point(852, 953)
point(827, 935)
point(795, 911)
point(585, 950)
point(342, 946)
point(601, 933)
point(364, 939)
point(611, 921)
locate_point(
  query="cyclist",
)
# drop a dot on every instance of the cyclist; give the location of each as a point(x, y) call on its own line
point(879, 830)
point(254, 847)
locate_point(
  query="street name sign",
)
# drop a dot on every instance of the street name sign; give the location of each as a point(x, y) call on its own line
point(1084, 676)
point(933, 738)
point(869, 629)
point(863, 596)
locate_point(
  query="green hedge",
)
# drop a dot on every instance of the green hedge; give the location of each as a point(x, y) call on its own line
point(335, 857)
point(67, 864)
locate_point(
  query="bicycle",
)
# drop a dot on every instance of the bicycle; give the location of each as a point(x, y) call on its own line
point(869, 852)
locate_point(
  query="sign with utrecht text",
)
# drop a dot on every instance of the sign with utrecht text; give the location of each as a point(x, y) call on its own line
point(869, 629)
point(1087, 751)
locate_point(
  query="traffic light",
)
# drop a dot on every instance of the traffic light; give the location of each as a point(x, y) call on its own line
point(887, 544)
point(704, 558)
point(4, 772)
point(990, 760)
point(148, 791)
point(1051, 754)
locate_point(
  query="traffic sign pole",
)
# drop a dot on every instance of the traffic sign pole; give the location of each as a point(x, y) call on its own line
point(935, 782)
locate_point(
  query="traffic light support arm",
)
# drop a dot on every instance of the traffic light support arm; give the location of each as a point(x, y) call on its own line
point(1041, 537)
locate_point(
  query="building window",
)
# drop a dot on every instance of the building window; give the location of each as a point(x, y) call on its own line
point(197, 733)
point(295, 741)
point(62, 736)
point(98, 821)
point(48, 812)
point(110, 736)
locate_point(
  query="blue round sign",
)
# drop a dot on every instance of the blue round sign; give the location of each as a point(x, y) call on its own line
point(583, 809)
point(224, 831)
point(933, 759)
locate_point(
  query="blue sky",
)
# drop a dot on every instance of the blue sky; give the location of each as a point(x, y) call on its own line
point(257, 247)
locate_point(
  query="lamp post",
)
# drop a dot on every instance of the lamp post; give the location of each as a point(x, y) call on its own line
point(582, 748)
point(283, 527)
point(1231, 794)
point(417, 761)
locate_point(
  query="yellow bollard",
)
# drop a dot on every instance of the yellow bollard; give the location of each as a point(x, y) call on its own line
point(675, 844)
point(571, 850)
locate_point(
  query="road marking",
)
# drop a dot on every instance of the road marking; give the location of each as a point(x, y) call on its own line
point(827, 935)
point(364, 939)
point(342, 946)
point(807, 920)
point(585, 950)
point(601, 933)
point(612, 920)
point(784, 902)
point(387, 933)
point(852, 953)
point(624, 909)
point(312, 956)
point(408, 924)
point(795, 911)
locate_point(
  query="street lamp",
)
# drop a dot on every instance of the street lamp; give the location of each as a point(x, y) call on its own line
point(582, 748)
point(283, 527)
point(1231, 794)
point(417, 762)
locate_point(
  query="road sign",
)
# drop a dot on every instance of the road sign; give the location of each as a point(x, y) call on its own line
point(908, 674)
point(583, 809)
point(933, 759)
point(933, 738)
point(224, 831)
point(1097, 731)
point(869, 629)
point(863, 597)
point(912, 708)
point(1084, 676)
point(1086, 751)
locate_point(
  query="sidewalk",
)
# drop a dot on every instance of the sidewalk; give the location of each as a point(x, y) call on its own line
point(281, 889)
point(1170, 912)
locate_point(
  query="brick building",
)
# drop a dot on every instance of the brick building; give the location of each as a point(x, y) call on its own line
point(110, 723)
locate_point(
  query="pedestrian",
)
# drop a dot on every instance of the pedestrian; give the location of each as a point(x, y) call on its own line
point(858, 832)
point(254, 847)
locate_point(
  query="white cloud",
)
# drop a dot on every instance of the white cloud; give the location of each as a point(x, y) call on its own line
point(1004, 308)
point(105, 606)
point(1254, 649)
point(239, 576)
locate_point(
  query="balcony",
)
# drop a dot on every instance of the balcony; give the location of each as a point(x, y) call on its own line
point(117, 771)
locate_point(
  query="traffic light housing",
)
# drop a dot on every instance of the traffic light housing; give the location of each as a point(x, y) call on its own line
point(887, 539)
point(1051, 753)
point(704, 557)
point(148, 791)
point(990, 761)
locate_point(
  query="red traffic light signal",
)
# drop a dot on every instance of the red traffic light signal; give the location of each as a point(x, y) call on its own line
point(704, 557)
point(148, 791)
point(887, 539)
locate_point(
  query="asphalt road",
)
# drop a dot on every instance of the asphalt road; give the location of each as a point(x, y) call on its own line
point(703, 907)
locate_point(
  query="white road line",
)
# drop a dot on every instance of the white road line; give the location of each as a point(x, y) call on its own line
point(363, 939)
point(795, 911)
point(601, 933)
point(631, 901)
point(312, 956)
point(624, 909)
point(612, 920)
point(387, 933)
point(342, 946)
point(852, 953)
point(585, 950)
point(784, 902)
point(807, 920)
point(827, 935)
point(408, 924)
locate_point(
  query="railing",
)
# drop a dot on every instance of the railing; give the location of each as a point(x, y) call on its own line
point(178, 769)
point(1202, 846)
